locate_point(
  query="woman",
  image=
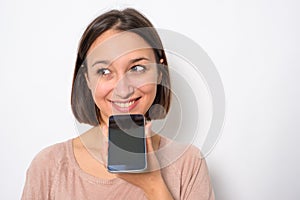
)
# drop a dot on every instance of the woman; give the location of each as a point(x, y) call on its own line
point(121, 67)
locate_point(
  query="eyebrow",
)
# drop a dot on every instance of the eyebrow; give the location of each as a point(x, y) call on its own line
point(134, 60)
point(138, 59)
point(105, 62)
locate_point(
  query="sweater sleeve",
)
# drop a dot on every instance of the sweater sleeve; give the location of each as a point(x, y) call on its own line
point(40, 175)
point(196, 180)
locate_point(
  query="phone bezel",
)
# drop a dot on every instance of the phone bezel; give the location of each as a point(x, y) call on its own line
point(141, 170)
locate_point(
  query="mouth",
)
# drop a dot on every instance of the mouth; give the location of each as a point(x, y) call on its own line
point(125, 106)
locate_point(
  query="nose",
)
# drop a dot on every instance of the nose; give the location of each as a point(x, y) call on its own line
point(124, 89)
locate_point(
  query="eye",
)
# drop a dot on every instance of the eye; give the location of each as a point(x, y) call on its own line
point(103, 71)
point(138, 68)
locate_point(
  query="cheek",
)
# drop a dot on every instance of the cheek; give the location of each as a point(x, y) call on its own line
point(149, 91)
point(147, 84)
point(100, 91)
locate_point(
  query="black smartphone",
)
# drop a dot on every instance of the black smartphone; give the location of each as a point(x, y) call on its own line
point(126, 144)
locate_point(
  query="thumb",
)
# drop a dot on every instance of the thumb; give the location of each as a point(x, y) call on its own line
point(148, 133)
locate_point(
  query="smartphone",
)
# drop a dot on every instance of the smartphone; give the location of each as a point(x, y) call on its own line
point(126, 144)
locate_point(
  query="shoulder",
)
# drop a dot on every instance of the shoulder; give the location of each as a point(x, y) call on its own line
point(185, 161)
point(50, 157)
point(192, 153)
point(191, 159)
point(195, 181)
point(182, 157)
point(182, 150)
point(43, 169)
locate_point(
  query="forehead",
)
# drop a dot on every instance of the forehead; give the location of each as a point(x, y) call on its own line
point(113, 44)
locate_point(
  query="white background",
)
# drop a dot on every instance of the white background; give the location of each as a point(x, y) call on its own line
point(254, 44)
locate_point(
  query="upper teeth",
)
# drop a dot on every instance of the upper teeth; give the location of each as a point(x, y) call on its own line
point(124, 105)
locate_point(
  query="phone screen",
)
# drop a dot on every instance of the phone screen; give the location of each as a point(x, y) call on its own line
point(126, 145)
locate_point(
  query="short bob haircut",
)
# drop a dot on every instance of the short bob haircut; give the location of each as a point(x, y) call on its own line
point(83, 105)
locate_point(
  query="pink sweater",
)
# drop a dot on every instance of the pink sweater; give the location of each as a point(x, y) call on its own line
point(55, 174)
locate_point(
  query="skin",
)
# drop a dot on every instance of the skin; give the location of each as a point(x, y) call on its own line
point(122, 75)
point(122, 79)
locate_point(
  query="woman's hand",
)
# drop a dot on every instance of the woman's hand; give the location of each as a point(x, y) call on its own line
point(151, 182)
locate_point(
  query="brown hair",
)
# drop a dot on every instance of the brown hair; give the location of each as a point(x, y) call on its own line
point(83, 106)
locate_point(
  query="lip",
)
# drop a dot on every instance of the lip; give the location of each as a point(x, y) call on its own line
point(125, 106)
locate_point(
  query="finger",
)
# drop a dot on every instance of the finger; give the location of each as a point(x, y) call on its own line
point(148, 130)
point(151, 156)
point(148, 133)
point(149, 144)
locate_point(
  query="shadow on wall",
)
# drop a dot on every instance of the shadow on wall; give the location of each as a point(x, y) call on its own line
point(218, 183)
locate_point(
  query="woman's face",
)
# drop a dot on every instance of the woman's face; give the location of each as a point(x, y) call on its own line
point(122, 73)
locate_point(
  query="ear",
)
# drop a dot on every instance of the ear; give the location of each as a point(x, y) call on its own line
point(87, 80)
point(159, 77)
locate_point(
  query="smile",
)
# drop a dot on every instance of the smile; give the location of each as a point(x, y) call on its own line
point(125, 106)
